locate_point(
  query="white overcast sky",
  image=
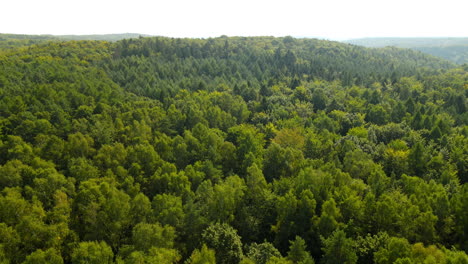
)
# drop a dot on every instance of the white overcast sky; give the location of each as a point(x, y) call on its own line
point(329, 19)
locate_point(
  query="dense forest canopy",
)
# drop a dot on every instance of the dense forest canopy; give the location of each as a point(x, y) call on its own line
point(15, 40)
point(453, 49)
point(231, 150)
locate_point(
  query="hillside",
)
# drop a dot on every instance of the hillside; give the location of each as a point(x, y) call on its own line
point(177, 63)
point(231, 150)
point(453, 49)
point(16, 40)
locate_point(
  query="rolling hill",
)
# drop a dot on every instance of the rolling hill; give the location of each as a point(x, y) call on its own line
point(453, 49)
point(230, 150)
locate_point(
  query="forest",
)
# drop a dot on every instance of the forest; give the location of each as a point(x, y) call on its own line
point(249, 150)
point(452, 49)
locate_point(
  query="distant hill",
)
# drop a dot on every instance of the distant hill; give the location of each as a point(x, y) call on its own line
point(107, 37)
point(8, 41)
point(409, 42)
point(259, 60)
point(453, 49)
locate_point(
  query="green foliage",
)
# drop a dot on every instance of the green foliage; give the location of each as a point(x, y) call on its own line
point(297, 252)
point(154, 255)
point(395, 248)
point(328, 221)
point(368, 245)
point(103, 212)
point(225, 241)
point(453, 49)
point(230, 150)
point(92, 252)
point(168, 210)
point(202, 256)
point(261, 253)
point(339, 249)
point(461, 215)
point(145, 236)
point(50, 256)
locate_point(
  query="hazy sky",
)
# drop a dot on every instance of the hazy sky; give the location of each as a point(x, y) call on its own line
point(330, 19)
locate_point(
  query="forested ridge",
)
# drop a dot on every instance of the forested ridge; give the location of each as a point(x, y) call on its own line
point(453, 49)
point(231, 150)
point(10, 41)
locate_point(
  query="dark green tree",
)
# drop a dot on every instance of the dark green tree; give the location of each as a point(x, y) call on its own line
point(339, 249)
point(225, 241)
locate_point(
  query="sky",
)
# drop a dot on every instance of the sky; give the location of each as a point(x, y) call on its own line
point(327, 19)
